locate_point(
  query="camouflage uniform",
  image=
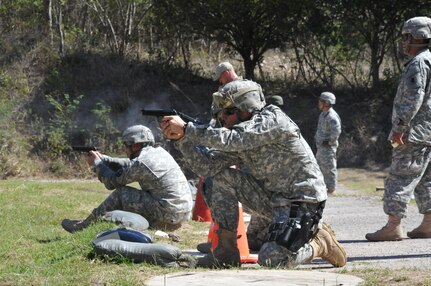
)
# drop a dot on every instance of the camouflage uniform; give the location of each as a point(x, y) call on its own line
point(409, 171)
point(326, 138)
point(164, 198)
point(277, 168)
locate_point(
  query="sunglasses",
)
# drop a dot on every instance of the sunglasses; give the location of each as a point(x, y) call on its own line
point(229, 111)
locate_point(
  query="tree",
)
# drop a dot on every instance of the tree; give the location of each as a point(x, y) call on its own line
point(250, 27)
point(318, 46)
point(376, 24)
point(119, 20)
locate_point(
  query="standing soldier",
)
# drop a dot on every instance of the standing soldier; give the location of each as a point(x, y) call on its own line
point(326, 138)
point(411, 137)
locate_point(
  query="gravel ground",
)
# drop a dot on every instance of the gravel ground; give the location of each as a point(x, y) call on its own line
point(352, 217)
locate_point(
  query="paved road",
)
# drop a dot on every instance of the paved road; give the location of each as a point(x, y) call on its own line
point(352, 217)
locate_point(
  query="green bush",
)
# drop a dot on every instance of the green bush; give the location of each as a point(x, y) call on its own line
point(61, 124)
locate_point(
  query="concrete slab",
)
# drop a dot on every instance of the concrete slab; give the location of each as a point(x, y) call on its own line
point(255, 277)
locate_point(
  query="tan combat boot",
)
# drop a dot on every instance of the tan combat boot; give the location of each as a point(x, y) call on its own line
point(423, 230)
point(225, 255)
point(326, 246)
point(72, 225)
point(392, 231)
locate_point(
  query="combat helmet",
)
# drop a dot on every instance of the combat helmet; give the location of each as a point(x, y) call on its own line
point(246, 95)
point(138, 134)
point(275, 100)
point(418, 27)
point(328, 97)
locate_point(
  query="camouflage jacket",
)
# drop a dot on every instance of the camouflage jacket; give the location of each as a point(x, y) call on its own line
point(328, 128)
point(156, 172)
point(269, 146)
point(411, 112)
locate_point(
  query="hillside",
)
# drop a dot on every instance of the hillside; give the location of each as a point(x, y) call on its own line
point(90, 98)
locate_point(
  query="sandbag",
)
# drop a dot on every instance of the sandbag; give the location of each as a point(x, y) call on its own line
point(155, 253)
point(125, 235)
point(127, 219)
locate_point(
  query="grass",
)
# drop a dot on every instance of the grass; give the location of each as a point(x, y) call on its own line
point(363, 181)
point(388, 277)
point(35, 250)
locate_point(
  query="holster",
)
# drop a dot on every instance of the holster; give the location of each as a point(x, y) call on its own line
point(299, 229)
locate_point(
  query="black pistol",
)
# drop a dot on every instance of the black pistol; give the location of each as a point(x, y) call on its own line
point(84, 148)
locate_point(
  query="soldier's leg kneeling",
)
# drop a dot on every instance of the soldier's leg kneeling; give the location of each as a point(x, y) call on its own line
point(274, 255)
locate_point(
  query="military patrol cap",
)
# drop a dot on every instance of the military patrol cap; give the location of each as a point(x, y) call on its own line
point(328, 97)
point(246, 95)
point(138, 134)
point(418, 27)
point(275, 99)
point(221, 68)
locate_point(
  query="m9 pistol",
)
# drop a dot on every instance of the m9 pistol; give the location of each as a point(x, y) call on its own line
point(166, 112)
point(85, 149)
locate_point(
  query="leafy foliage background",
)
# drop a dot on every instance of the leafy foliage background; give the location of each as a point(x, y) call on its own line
point(78, 72)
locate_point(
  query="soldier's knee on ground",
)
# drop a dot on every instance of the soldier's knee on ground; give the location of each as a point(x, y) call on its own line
point(272, 254)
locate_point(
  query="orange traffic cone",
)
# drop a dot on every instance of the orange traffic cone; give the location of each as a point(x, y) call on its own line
point(212, 234)
point(201, 212)
point(244, 252)
point(242, 241)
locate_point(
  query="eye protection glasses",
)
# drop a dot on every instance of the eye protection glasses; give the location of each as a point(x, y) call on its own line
point(229, 111)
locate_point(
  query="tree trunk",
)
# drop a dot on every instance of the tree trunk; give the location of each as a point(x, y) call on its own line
point(249, 65)
point(60, 29)
point(48, 7)
point(374, 60)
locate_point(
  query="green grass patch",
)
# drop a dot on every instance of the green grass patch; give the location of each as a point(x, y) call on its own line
point(361, 180)
point(392, 277)
point(364, 182)
point(35, 250)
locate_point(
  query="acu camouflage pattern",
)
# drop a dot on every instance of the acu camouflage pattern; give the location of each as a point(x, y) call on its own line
point(409, 171)
point(164, 198)
point(326, 138)
point(276, 165)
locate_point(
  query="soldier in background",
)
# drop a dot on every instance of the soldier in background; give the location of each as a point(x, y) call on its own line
point(164, 198)
point(225, 73)
point(411, 137)
point(275, 99)
point(326, 138)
